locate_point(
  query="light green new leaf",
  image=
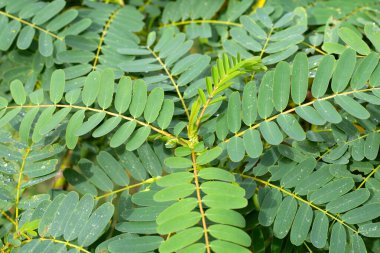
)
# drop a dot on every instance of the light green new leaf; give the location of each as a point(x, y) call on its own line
point(221, 246)
point(18, 92)
point(271, 132)
point(229, 233)
point(178, 223)
point(353, 40)
point(338, 238)
point(300, 78)
point(106, 89)
point(181, 207)
point(344, 68)
point(139, 98)
point(224, 188)
point(175, 179)
point(233, 112)
point(216, 174)
point(154, 104)
point(281, 86)
point(323, 75)
point(96, 224)
point(57, 85)
point(352, 107)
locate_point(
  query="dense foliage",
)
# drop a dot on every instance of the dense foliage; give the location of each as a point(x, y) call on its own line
point(189, 126)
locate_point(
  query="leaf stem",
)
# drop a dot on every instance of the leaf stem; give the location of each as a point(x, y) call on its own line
point(199, 197)
point(172, 81)
point(60, 242)
point(202, 21)
point(31, 25)
point(368, 176)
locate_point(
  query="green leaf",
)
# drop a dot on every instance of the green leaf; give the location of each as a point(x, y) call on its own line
point(223, 216)
point(229, 233)
point(107, 126)
point(45, 44)
point(54, 121)
point(48, 217)
point(235, 149)
point(357, 244)
point(371, 146)
point(91, 88)
point(281, 86)
point(26, 124)
point(25, 37)
point(220, 246)
point(123, 94)
point(309, 114)
point(362, 214)
point(216, 174)
point(122, 134)
point(139, 98)
point(138, 138)
point(178, 223)
point(372, 32)
point(323, 75)
point(181, 240)
point(175, 179)
point(49, 11)
point(174, 192)
point(177, 209)
point(252, 143)
point(151, 162)
point(74, 123)
point(348, 201)
point(106, 88)
point(319, 231)
point(327, 111)
point(90, 124)
point(364, 70)
point(331, 191)
point(166, 114)
point(178, 162)
point(209, 155)
point(78, 217)
point(96, 224)
point(264, 100)
point(271, 132)
point(154, 104)
point(95, 175)
point(300, 78)
point(370, 229)
point(113, 168)
point(285, 215)
point(135, 244)
point(291, 127)
point(249, 103)
point(224, 188)
point(18, 92)
point(344, 68)
point(353, 40)
point(352, 107)
point(233, 112)
point(224, 202)
point(301, 224)
point(269, 207)
point(338, 238)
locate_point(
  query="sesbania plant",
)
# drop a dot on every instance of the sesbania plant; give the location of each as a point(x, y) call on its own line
point(189, 126)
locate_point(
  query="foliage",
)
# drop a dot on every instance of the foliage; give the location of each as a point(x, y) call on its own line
point(189, 126)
